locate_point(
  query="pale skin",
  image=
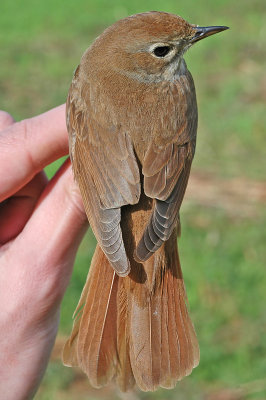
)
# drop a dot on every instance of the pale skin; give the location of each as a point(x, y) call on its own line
point(41, 226)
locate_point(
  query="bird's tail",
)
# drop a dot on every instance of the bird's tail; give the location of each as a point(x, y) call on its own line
point(134, 329)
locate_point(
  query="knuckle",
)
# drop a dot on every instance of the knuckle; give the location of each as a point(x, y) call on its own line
point(6, 119)
point(24, 134)
point(76, 200)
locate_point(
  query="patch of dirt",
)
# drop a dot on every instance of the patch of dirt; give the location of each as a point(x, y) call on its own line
point(238, 196)
point(240, 393)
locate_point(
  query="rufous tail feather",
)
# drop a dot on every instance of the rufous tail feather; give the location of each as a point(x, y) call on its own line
point(134, 329)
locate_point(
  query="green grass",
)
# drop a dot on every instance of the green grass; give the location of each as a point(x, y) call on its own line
point(223, 256)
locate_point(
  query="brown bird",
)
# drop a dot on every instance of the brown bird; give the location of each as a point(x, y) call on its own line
point(132, 122)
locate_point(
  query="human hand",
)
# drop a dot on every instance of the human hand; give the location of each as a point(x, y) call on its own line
point(41, 226)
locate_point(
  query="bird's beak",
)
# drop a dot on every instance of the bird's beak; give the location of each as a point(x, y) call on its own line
point(202, 32)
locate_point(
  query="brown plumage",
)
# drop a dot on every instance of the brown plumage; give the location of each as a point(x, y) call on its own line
point(132, 121)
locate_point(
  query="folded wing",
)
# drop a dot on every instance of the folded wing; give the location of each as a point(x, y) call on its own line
point(166, 172)
point(107, 173)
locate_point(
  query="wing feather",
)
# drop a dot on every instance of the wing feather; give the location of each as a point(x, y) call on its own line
point(106, 170)
point(167, 186)
point(164, 217)
point(167, 162)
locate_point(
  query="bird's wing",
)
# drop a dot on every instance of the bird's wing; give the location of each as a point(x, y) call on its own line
point(166, 171)
point(107, 173)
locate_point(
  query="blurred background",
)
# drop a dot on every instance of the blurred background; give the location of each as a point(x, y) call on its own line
point(222, 248)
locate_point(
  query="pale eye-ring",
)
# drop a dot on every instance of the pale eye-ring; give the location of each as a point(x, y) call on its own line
point(161, 51)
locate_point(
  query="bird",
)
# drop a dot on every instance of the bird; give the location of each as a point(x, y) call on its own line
point(132, 123)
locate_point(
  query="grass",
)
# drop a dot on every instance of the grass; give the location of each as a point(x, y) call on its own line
point(223, 256)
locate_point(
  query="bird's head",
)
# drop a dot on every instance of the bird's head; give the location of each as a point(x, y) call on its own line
point(148, 46)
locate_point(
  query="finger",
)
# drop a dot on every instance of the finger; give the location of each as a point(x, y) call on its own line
point(26, 147)
point(51, 237)
point(16, 210)
point(5, 120)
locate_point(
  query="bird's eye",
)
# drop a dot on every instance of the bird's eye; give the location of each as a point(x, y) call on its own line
point(161, 51)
